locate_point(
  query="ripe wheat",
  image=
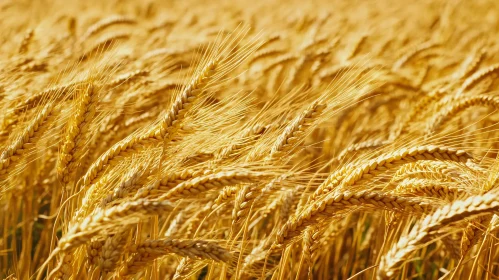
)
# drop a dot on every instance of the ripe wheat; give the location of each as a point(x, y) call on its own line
point(249, 140)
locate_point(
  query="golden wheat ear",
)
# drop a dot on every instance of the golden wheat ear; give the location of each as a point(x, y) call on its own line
point(422, 232)
point(218, 62)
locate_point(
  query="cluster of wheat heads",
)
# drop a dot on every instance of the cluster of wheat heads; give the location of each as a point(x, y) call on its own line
point(249, 140)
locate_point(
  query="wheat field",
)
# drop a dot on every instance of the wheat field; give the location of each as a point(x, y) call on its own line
point(249, 139)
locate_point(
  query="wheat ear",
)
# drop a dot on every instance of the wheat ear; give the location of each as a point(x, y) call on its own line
point(476, 78)
point(225, 194)
point(361, 146)
point(76, 134)
point(152, 249)
point(169, 122)
point(423, 231)
point(35, 129)
point(127, 78)
point(350, 175)
point(214, 181)
point(82, 231)
point(131, 182)
point(460, 105)
point(411, 54)
point(472, 233)
point(104, 44)
point(23, 48)
point(471, 64)
point(187, 267)
point(441, 170)
point(93, 252)
point(112, 250)
point(325, 209)
point(104, 23)
point(294, 132)
point(429, 188)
